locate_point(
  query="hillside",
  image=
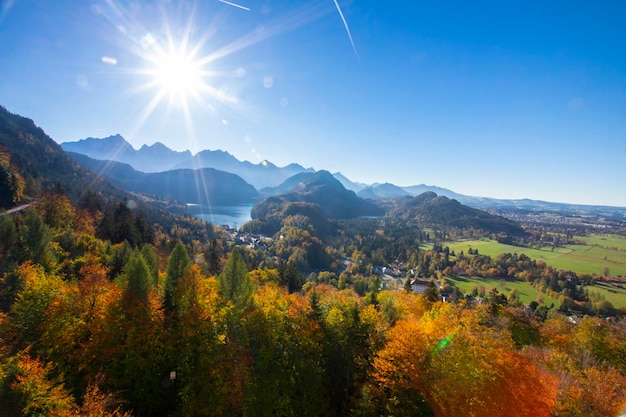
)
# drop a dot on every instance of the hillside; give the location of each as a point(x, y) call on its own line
point(431, 210)
point(39, 163)
point(323, 189)
point(206, 186)
point(32, 161)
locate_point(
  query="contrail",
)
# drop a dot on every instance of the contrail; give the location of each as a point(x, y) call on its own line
point(236, 5)
point(347, 28)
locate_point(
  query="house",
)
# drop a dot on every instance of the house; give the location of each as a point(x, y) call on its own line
point(419, 286)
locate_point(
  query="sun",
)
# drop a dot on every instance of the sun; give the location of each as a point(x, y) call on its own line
point(177, 74)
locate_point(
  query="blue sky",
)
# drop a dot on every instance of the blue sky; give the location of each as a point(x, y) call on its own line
point(487, 98)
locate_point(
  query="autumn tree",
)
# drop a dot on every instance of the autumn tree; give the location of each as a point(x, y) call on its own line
point(460, 367)
point(56, 210)
point(39, 290)
point(35, 392)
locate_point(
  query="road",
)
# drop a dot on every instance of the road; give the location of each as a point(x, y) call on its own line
point(17, 209)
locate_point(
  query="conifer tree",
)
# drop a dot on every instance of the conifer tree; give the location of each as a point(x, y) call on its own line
point(177, 264)
point(138, 276)
point(234, 282)
point(152, 261)
point(8, 240)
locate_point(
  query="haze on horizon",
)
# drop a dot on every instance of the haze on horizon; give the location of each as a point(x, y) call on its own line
point(504, 100)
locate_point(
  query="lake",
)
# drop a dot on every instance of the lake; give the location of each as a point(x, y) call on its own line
point(233, 216)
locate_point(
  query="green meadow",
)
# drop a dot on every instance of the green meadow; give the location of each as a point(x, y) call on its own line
point(605, 240)
point(615, 295)
point(599, 252)
point(527, 293)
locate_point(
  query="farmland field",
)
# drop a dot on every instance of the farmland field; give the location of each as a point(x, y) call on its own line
point(600, 252)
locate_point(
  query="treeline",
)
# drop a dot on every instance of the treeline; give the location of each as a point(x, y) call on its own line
point(97, 328)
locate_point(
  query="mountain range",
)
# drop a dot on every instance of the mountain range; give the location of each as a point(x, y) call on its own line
point(160, 158)
point(267, 177)
point(206, 186)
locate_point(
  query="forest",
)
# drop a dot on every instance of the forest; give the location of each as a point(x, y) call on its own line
point(103, 313)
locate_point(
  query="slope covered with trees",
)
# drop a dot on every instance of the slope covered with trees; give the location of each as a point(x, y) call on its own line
point(429, 209)
point(30, 161)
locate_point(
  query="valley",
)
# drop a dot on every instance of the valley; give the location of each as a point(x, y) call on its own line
point(113, 278)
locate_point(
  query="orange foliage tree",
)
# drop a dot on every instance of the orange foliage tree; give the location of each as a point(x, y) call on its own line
point(460, 367)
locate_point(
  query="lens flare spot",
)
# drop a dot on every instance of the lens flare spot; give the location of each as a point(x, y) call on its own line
point(109, 60)
point(443, 343)
point(147, 41)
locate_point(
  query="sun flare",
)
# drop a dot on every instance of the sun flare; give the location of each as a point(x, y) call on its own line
point(177, 75)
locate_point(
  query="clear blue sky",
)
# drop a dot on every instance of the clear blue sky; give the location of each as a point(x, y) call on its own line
point(506, 99)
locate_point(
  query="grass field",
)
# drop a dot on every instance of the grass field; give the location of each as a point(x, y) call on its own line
point(527, 293)
point(616, 296)
point(578, 258)
point(607, 241)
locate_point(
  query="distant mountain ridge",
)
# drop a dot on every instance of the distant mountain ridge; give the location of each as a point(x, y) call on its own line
point(261, 175)
point(153, 158)
point(206, 186)
point(160, 158)
point(381, 191)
